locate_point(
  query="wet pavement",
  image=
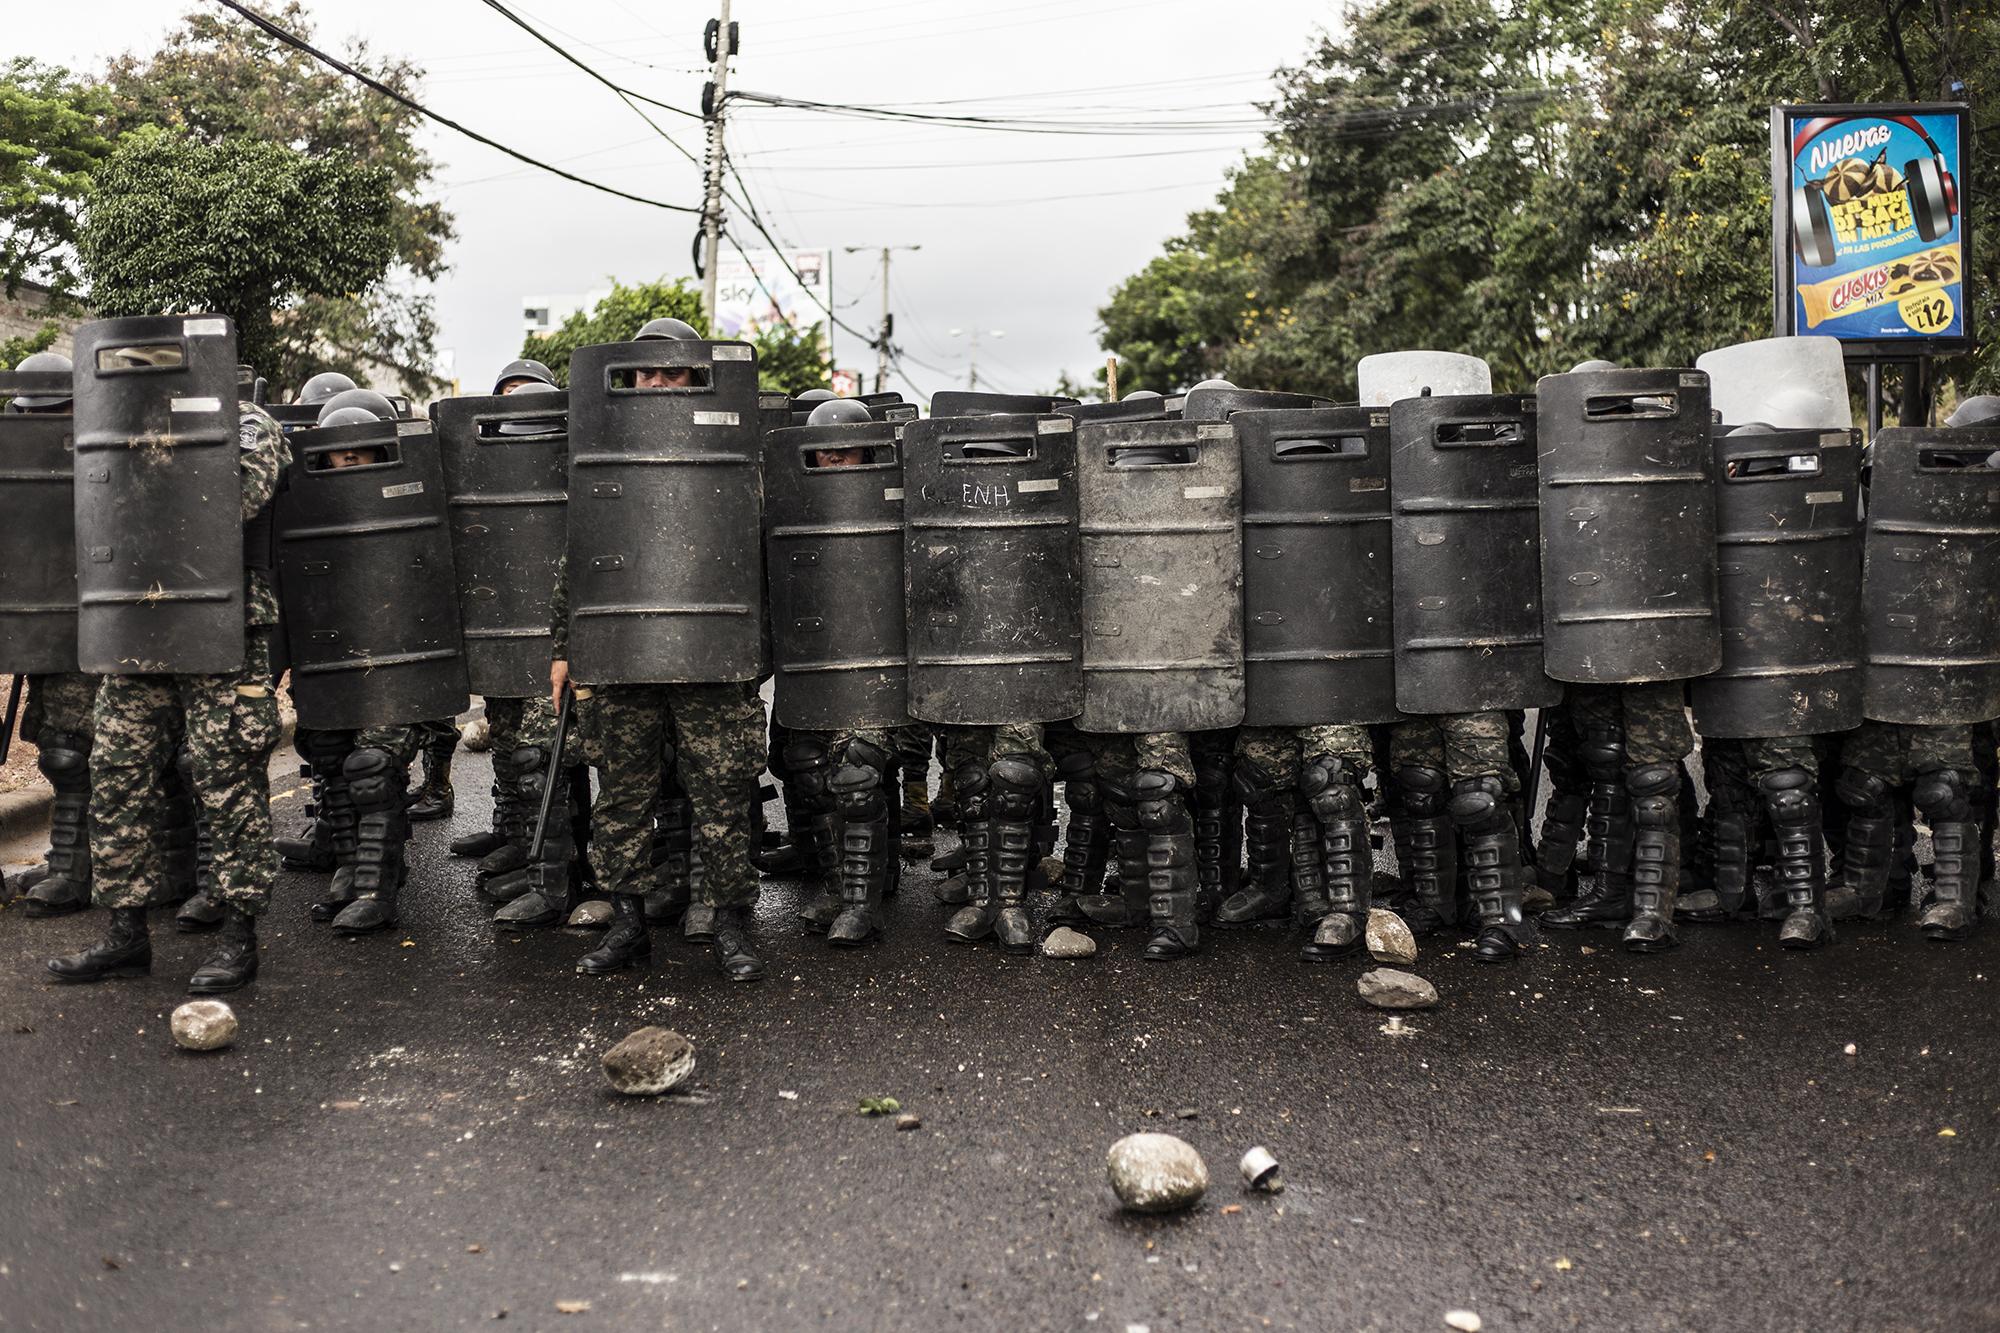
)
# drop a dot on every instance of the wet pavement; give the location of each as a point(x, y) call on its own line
point(412, 1132)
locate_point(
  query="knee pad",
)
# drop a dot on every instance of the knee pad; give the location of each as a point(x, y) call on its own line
point(970, 784)
point(858, 789)
point(1656, 813)
point(1941, 794)
point(1082, 795)
point(64, 759)
point(1076, 767)
point(328, 749)
point(1476, 800)
point(1420, 790)
point(1334, 792)
point(1159, 796)
point(529, 759)
point(1254, 783)
point(1016, 787)
point(1864, 793)
point(372, 778)
point(866, 754)
point(1603, 752)
point(1662, 780)
point(808, 768)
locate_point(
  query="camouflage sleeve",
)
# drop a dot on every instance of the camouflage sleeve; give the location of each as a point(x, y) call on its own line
point(263, 456)
point(559, 612)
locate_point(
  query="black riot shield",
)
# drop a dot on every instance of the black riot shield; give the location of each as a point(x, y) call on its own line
point(1125, 409)
point(978, 403)
point(159, 497)
point(888, 406)
point(1221, 402)
point(1159, 503)
point(1628, 527)
point(992, 598)
point(1319, 640)
point(293, 417)
point(38, 537)
point(506, 466)
point(1931, 587)
point(365, 575)
point(834, 548)
point(1788, 531)
point(665, 509)
point(1464, 555)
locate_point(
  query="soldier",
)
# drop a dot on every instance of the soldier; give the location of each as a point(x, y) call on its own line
point(718, 722)
point(229, 717)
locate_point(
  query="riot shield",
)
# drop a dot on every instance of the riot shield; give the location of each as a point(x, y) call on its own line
point(1222, 402)
point(888, 406)
point(1931, 581)
point(975, 403)
point(992, 597)
point(365, 574)
point(1790, 383)
point(506, 464)
point(1125, 409)
point(1319, 638)
point(1464, 555)
point(1389, 377)
point(159, 497)
point(1789, 537)
point(834, 547)
point(666, 498)
point(293, 417)
point(1160, 504)
point(38, 538)
point(1628, 527)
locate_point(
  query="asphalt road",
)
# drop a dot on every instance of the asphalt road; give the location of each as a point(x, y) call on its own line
point(413, 1132)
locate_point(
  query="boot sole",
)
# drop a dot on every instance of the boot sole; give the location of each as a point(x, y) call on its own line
point(110, 974)
point(219, 990)
point(189, 926)
point(633, 965)
point(38, 911)
point(367, 930)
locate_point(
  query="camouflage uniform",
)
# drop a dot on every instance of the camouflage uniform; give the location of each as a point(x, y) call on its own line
point(1308, 832)
point(845, 785)
point(1939, 762)
point(999, 775)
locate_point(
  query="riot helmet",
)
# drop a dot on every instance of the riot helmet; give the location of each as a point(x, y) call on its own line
point(366, 399)
point(521, 374)
point(1595, 363)
point(674, 330)
point(324, 386)
point(1137, 394)
point(42, 363)
point(814, 396)
point(532, 425)
point(1211, 384)
point(839, 412)
point(1979, 410)
point(353, 414)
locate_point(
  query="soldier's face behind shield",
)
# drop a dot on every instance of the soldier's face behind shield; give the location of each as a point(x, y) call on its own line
point(665, 377)
point(337, 459)
point(508, 386)
point(856, 457)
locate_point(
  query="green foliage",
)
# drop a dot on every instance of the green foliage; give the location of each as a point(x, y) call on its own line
point(1534, 183)
point(788, 361)
point(878, 1106)
point(246, 228)
point(221, 81)
point(50, 147)
point(14, 350)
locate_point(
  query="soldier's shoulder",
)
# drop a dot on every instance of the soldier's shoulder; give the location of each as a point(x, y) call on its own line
point(254, 425)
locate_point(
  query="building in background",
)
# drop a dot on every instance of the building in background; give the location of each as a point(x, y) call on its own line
point(543, 315)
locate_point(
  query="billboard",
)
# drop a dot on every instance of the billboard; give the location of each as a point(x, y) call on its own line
point(754, 290)
point(1868, 229)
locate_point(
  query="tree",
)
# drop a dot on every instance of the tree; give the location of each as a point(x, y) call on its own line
point(788, 361)
point(14, 350)
point(247, 229)
point(50, 146)
point(221, 81)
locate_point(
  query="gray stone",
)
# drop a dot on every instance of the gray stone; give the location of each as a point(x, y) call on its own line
point(1389, 938)
point(1051, 868)
point(204, 1025)
point(649, 1062)
point(1066, 943)
point(1156, 1173)
point(592, 915)
point(1386, 988)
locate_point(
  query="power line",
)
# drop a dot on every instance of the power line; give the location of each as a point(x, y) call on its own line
point(300, 44)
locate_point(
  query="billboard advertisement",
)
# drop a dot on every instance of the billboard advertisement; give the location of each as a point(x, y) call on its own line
point(1868, 225)
point(755, 289)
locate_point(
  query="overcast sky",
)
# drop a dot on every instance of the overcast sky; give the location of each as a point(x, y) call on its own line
point(1023, 233)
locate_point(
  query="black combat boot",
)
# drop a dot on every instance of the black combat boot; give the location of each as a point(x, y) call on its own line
point(341, 823)
point(548, 899)
point(1656, 857)
point(627, 944)
point(178, 834)
point(503, 871)
point(1792, 797)
point(205, 910)
point(1086, 840)
point(782, 855)
point(1426, 850)
point(1172, 884)
point(1485, 819)
point(1729, 828)
point(1014, 793)
point(814, 814)
point(65, 761)
point(492, 839)
point(868, 859)
point(1869, 848)
point(1951, 909)
point(1333, 793)
point(233, 965)
point(734, 952)
point(1266, 894)
point(1125, 899)
point(312, 850)
point(1607, 901)
point(1217, 811)
point(125, 951)
point(432, 798)
point(1555, 850)
point(377, 782)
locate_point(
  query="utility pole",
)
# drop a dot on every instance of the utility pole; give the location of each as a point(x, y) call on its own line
point(724, 42)
point(972, 360)
point(888, 319)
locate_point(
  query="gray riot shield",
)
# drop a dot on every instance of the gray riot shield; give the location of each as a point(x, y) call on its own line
point(665, 563)
point(38, 539)
point(159, 497)
point(992, 597)
point(1931, 584)
point(1224, 401)
point(1788, 532)
point(1319, 638)
point(366, 580)
point(1464, 555)
point(1160, 504)
point(834, 547)
point(1125, 409)
point(978, 403)
point(1628, 527)
point(506, 466)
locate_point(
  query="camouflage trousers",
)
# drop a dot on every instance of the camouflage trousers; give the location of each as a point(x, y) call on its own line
point(718, 731)
point(1459, 745)
point(230, 723)
point(60, 701)
point(1896, 752)
point(1279, 751)
point(518, 722)
point(438, 731)
point(400, 743)
point(1651, 718)
point(982, 745)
